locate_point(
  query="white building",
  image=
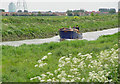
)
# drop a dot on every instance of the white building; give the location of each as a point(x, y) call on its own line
point(12, 7)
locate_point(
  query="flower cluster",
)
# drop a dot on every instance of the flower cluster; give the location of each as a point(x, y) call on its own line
point(83, 68)
point(41, 62)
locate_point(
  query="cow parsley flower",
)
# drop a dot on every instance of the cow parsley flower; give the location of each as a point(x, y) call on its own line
point(49, 53)
point(44, 57)
point(36, 65)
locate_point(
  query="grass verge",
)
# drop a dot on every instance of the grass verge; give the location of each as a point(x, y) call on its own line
point(18, 63)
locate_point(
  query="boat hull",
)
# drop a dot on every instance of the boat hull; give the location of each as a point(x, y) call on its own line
point(70, 35)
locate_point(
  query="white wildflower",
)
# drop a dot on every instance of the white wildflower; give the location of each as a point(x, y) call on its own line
point(36, 65)
point(79, 54)
point(72, 80)
point(63, 79)
point(39, 61)
point(83, 79)
point(59, 69)
point(69, 76)
point(43, 75)
point(49, 80)
point(49, 53)
point(61, 65)
point(31, 78)
point(67, 59)
point(63, 73)
point(55, 71)
point(44, 57)
point(59, 76)
point(106, 65)
point(68, 62)
point(42, 80)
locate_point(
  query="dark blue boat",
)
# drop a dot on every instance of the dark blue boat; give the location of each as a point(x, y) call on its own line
point(66, 33)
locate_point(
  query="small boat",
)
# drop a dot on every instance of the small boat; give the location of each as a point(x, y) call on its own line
point(68, 33)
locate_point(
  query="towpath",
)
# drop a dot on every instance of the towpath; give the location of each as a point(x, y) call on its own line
point(86, 36)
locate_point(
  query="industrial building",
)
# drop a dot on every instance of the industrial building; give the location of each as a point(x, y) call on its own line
point(22, 6)
point(12, 7)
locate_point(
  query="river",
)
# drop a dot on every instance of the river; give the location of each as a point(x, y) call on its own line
point(86, 36)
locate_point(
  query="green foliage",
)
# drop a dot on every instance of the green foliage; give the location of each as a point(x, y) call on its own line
point(112, 11)
point(104, 10)
point(76, 14)
point(92, 14)
point(97, 15)
point(39, 14)
point(2, 10)
point(18, 63)
point(69, 13)
point(30, 27)
point(81, 10)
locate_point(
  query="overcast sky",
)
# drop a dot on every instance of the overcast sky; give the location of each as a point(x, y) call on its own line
point(63, 5)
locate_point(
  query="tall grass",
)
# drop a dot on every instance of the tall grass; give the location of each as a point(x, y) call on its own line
point(29, 27)
point(18, 62)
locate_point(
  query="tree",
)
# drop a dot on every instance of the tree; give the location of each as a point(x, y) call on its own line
point(49, 11)
point(104, 10)
point(69, 13)
point(76, 14)
point(112, 11)
point(32, 14)
point(13, 14)
point(6, 14)
point(2, 10)
point(19, 11)
point(26, 11)
point(97, 15)
point(39, 13)
point(92, 14)
point(82, 10)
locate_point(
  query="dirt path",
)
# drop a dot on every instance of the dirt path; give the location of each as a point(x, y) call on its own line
point(87, 36)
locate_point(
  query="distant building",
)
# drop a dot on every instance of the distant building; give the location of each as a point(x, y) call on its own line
point(119, 6)
point(16, 14)
point(12, 7)
point(22, 6)
point(90, 12)
point(118, 10)
point(60, 13)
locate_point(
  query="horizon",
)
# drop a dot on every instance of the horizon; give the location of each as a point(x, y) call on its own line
point(64, 6)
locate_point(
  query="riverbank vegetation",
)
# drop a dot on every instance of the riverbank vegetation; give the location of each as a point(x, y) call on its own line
point(30, 27)
point(70, 61)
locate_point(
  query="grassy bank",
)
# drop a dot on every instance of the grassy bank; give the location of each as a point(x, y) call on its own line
point(30, 27)
point(20, 64)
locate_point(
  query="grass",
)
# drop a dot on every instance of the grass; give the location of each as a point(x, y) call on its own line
point(18, 62)
point(30, 27)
